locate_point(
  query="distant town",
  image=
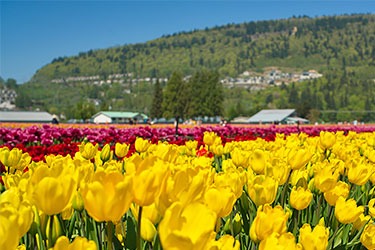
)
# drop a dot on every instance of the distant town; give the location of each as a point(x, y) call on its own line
point(249, 80)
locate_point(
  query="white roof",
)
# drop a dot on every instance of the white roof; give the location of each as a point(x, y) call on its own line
point(25, 116)
point(271, 115)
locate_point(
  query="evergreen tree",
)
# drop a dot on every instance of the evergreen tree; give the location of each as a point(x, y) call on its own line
point(174, 97)
point(157, 101)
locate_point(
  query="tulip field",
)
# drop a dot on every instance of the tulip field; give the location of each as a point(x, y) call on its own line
point(204, 187)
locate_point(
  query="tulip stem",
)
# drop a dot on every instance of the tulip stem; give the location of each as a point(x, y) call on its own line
point(139, 238)
point(110, 234)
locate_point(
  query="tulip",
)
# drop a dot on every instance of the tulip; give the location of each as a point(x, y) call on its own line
point(113, 190)
point(240, 158)
point(347, 211)
point(221, 201)
point(371, 207)
point(262, 189)
point(52, 189)
point(298, 158)
point(359, 172)
point(267, 221)
point(105, 154)
point(327, 139)
point(88, 150)
point(326, 178)
point(300, 198)
point(147, 181)
point(209, 138)
point(121, 149)
point(341, 189)
point(258, 161)
point(16, 218)
point(226, 242)
point(279, 170)
point(368, 236)
point(316, 239)
point(10, 158)
point(79, 243)
point(186, 227)
point(141, 145)
point(361, 221)
point(275, 241)
point(77, 202)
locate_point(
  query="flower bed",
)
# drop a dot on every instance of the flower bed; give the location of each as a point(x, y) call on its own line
point(231, 187)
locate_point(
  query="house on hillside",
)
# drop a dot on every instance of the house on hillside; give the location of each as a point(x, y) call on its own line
point(276, 116)
point(25, 116)
point(119, 117)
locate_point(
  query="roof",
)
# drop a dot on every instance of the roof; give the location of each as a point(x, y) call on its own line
point(25, 116)
point(119, 114)
point(271, 115)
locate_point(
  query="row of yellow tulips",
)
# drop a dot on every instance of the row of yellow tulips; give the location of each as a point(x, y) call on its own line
point(296, 192)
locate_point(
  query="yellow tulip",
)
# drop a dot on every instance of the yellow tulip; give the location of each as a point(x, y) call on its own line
point(148, 230)
point(368, 236)
point(359, 172)
point(361, 221)
point(209, 138)
point(226, 242)
point(77, 202)
point(326, 178)
point(347, 211)
point(105, 153)
point(10, 234)
point(279, 170)
point(258, 161)
point(141, 145)
point(341, 189)
point(88, 150)
point(300, 198)
point(186, 227)
point(16, 218)
point(121, 149)
point(371, 207)
point(240, 158)
point(52, 188)
point(262, 189)
point(298, 158)
point(147, 181)
point(267, 221)
point(316, 239)
point(107, 196)
point(221, 201)
point(79, 243)
point(275, 241)
point(10, 158)
point(327, 139)
point(217, 149)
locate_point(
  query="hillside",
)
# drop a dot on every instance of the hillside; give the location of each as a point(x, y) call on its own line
point(342, 48)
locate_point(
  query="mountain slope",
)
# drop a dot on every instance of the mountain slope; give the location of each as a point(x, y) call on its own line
point(340, 47)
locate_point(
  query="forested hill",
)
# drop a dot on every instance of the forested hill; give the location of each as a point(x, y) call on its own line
point(302, 43)
point(340, 48)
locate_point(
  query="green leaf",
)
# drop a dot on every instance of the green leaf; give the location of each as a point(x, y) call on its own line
point(131, 235)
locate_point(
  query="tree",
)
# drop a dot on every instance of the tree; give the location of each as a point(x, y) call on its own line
point(23, 100)
point(157, 101)
point(205, 94)
point(174, 97)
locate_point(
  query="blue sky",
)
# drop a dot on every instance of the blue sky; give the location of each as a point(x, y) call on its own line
point(33, 33)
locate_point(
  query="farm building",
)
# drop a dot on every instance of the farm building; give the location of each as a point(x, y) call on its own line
point(119, 117)
point(276, 116)
point(25, 116)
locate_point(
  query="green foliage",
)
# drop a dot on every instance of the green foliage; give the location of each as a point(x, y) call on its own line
point(157, 101)
point(174, 97)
